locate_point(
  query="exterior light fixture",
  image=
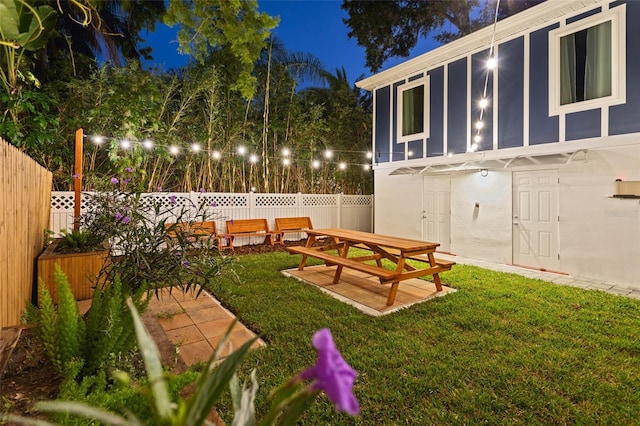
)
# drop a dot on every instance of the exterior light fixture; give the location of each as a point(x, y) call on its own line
point(484, 172)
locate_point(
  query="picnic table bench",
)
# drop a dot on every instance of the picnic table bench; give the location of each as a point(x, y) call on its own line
point(252, 228)
point(395, 249)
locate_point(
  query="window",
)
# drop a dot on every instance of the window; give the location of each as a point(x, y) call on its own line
point(587, 66)
point(412, 110)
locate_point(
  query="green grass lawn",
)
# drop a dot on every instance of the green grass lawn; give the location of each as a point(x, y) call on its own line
point(503, 349)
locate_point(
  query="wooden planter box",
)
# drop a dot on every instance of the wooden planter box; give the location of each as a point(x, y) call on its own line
point(81, 269)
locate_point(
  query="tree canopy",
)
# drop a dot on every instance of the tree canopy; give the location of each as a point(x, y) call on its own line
point(389, 29)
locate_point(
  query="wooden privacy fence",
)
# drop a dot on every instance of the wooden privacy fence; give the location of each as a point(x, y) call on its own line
point(325, 210)
point(25, 191)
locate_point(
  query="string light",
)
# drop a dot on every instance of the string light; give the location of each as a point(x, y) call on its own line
point(196, 148)
point(492, 62)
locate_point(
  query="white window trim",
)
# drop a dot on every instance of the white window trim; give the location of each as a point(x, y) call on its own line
point(399, 91)
point(617, 16)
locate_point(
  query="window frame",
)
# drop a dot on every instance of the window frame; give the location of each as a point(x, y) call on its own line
point(617, 16)
point(422, 81)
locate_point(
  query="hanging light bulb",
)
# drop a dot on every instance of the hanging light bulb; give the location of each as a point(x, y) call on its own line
point(242, 150)
point(97, 139)
point(477, 138)
point(253, 159)
point(492, 62)
point(342, 166)
point(315, 164)
point(369, 155)
point(366, 167)
point(286, 152)
point(174, 150)
point(286, 162)
point(484, 102)
point(195, 147)
point(479, 124)
point(147, 144)
point(125, 144)
point(328, 154)
point(216, 155)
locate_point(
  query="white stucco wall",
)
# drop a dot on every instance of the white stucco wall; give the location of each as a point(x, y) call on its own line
point(482, 232)
point(398, 208)
point(600, 235)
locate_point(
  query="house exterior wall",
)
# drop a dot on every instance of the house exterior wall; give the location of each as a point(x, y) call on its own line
point(599, 236)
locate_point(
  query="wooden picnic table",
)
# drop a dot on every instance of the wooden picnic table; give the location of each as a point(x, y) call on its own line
point(395, 249)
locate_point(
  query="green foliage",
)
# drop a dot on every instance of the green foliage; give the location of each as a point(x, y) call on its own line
point(61, 330)
point(87, 342)
point(79, 240)
point(109, 326)
point(207, 25)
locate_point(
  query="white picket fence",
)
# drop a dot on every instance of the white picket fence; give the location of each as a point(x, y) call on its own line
point(326, 211)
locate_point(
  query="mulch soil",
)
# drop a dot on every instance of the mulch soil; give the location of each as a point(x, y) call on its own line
point(26, 376)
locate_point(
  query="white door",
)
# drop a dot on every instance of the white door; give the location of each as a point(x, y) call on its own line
point(535, 219)
point(436, 210)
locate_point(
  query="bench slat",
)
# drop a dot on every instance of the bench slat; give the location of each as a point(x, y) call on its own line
point(385, 274)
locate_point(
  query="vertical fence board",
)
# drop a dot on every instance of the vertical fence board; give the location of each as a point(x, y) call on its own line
point(25, 188)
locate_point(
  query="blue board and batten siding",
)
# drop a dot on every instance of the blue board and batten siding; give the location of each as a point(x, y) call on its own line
point(521, 103)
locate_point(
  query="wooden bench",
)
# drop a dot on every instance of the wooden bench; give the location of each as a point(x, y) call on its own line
point(331, 259)
point(252, 228)
point(201, 233)
point(292, 224)
point(446, 265)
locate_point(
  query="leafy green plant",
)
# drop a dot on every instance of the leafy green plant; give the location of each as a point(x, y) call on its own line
point(79, 240)
point(137, 230)
point(86, 342)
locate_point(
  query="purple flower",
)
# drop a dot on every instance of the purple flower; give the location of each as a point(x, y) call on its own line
point(185, 263)
point(214, 204)
point(126, 181)
point(172, 200)
point(114, 181)
point(75, 175)
point(126, 219)
point(202, 190)
point(332, 374)
point(128, 170)
point(159, 189)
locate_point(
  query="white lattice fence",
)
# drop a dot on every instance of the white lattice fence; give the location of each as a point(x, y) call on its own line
point(325, 211)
